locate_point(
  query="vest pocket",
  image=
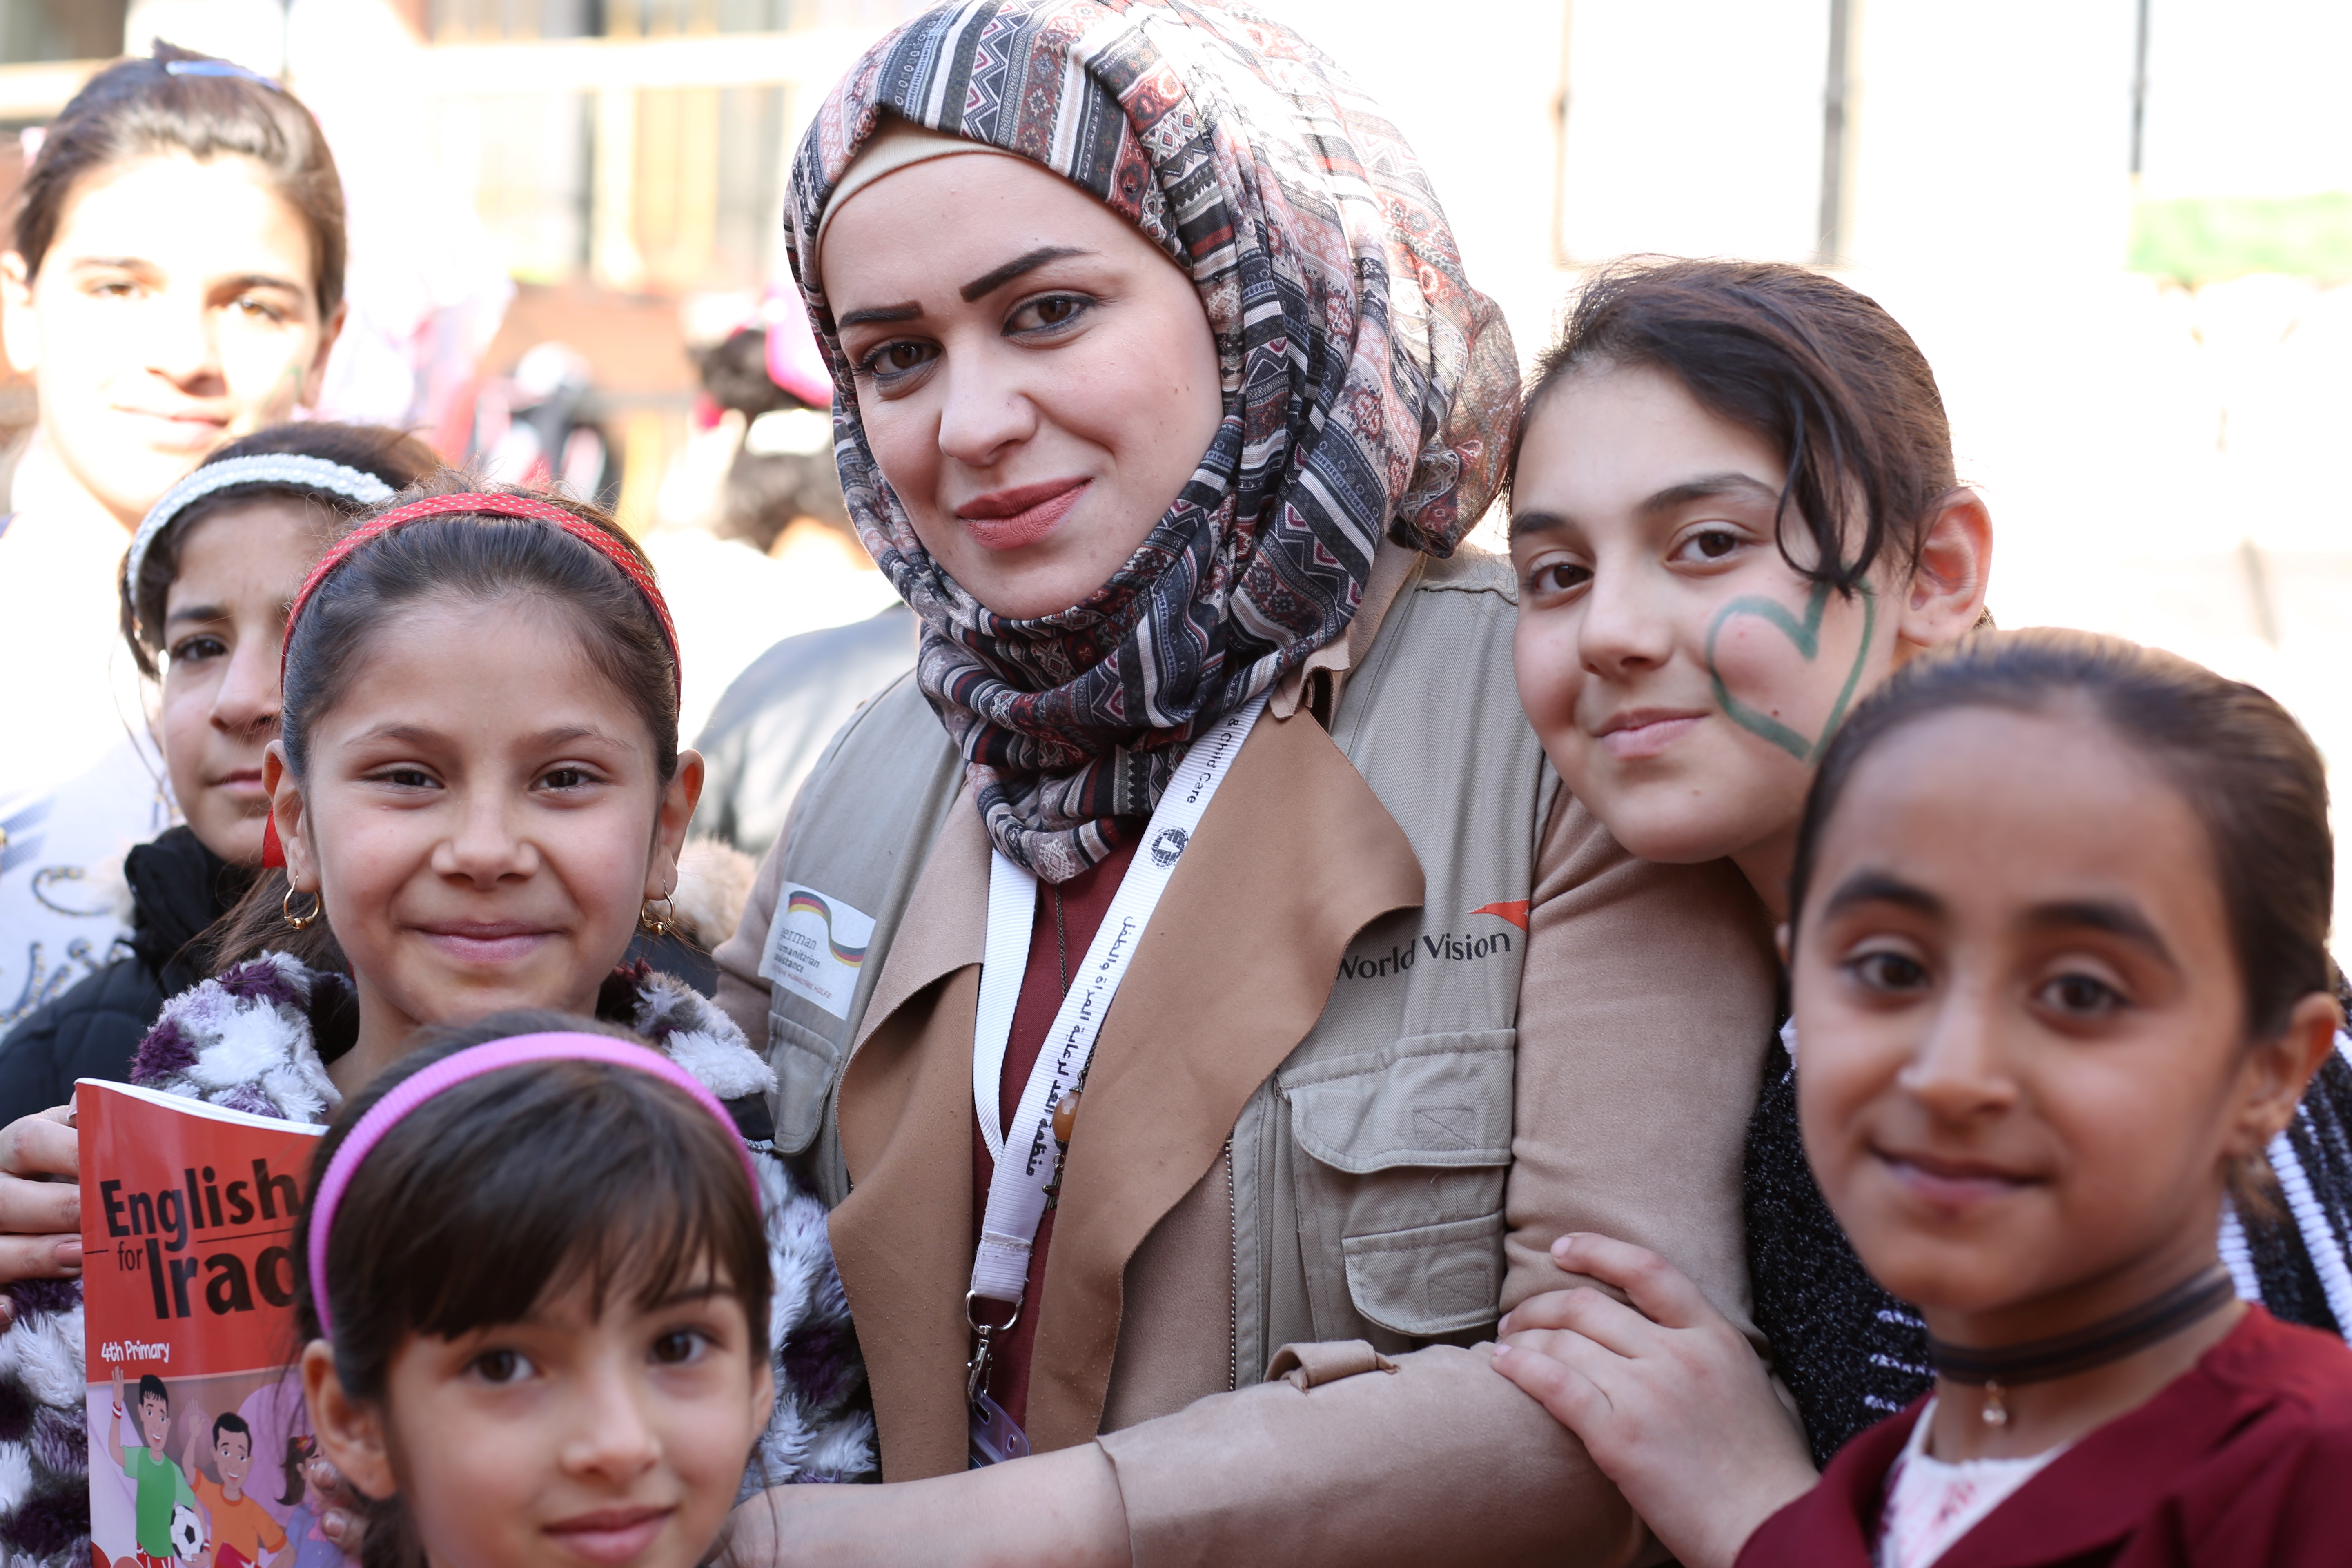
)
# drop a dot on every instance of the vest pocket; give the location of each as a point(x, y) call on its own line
point(1433, 1279)
point(805, 1062)
point(1401, 1193)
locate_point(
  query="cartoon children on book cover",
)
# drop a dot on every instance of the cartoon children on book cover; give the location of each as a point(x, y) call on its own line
point(197, 1431)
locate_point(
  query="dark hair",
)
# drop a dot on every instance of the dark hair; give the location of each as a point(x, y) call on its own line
point(1818, 370)
point(466, 556)
point(139, 107)
point(151, 1387)
point(231, 1422)
point(2241, 762)
point(504, 1191)
point(765, 493)
point(298, 1449)
point(734, 371)
point(397, 458)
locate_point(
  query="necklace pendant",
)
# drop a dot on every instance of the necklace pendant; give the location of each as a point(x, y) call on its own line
point(1996, 1409)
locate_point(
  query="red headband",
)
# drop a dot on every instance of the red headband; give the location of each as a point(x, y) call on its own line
point(273, 853)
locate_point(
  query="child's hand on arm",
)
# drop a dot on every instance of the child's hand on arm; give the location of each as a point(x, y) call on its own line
point(1670, 1400)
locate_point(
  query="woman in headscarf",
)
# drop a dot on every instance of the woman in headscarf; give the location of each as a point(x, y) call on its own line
point(1197, 997)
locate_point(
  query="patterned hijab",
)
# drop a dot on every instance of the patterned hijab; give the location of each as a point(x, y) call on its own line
point(1370, 390)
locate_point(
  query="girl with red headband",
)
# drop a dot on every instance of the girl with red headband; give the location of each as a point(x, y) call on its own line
point(478, 797)
point(535, 1295)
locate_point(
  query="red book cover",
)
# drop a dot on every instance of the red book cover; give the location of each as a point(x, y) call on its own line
point(196, 1426)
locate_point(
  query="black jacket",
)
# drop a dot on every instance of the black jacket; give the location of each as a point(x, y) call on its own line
point(177, 888)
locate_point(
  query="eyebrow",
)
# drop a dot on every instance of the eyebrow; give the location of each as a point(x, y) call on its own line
point(906, 313)
point(680, 1295)
point(266, 280)
point(1730, 482)
point(2116, 919)
point(989, 283)
point(1880, 888)
point(416, 734)
point(1707, 487)
point(198, 613)
point(139, 263)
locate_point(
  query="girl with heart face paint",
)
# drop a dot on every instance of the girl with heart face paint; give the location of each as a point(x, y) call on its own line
point(1734, 514)
point(1733, 511)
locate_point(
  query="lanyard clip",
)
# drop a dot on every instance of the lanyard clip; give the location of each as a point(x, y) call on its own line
point(975, 1379)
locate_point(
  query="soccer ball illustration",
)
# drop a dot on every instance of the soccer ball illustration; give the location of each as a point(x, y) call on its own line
point(187, 1532)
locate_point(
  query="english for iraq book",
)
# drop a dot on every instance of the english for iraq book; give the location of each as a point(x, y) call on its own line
point(197, 1432)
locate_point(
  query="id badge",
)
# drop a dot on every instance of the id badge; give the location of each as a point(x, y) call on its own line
point(995, 1437)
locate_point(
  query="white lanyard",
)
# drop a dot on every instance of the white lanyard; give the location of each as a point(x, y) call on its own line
point(1017, 1192)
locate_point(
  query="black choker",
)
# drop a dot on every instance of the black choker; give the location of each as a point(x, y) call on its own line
point(2063, 1355)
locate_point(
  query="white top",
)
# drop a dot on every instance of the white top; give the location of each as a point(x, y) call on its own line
point(1931, 1504)
point(81, 780)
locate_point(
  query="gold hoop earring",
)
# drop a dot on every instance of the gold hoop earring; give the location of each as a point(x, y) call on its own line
point(302, 922)
point(657, 924)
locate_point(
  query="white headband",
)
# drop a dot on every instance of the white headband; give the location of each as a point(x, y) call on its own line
point(291, 469)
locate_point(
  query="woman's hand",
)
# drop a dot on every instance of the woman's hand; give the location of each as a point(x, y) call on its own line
point(40, 1199)
point(1671, 1402)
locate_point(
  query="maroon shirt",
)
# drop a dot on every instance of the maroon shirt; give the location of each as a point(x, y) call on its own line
point(2246, 1458)
point(1085, 899)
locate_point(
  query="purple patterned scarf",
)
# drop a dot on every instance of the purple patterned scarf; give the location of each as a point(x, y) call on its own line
point(1376, 388)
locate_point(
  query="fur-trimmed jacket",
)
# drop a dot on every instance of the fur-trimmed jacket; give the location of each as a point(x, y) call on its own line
point(258, 1038)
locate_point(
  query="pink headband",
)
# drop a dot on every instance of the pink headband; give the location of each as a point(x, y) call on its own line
point(457, 1067)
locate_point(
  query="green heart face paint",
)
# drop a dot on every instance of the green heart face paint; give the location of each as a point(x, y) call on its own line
point(1806, 637)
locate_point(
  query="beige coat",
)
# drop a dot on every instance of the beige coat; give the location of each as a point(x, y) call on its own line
point(1643, 1007)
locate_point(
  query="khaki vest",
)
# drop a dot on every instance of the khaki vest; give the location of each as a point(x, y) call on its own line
point(1367, 1174)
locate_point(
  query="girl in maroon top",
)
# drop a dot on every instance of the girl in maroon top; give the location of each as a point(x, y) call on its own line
point(2057, 943)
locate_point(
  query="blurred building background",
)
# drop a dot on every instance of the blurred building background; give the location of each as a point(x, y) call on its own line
point(2122, 230)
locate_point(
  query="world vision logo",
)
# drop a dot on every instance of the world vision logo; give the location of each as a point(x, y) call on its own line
point(1445, 947)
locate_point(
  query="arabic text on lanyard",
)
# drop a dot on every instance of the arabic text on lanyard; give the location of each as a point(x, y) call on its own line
point(1028, 1159)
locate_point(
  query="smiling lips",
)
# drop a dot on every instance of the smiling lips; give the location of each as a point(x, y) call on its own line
point(1950, 1184)
point(610, 1534)
point(1008, 519)
point(244, 783)
point(486, 941)
point(178, 430)
point(1641, 733)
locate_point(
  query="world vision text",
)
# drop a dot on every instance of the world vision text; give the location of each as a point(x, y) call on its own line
point(1441, 947)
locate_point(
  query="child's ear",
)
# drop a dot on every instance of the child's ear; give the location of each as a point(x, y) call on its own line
point(1945, 595)
point(350, 1434)
point(286, 808)
point(677, 803)
point(314, 375)
point(2277, 1071)
point(20, 327)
